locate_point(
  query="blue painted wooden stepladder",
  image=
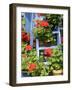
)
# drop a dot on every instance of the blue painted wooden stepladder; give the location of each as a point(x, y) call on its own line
point(29, 27)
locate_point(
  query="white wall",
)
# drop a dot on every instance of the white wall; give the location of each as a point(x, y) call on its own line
point(4, 45)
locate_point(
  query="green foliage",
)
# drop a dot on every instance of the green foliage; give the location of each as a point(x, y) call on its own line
point(23, 21)
point(43, 34)
point(55, 62)
point(54, 20)
point(41, 70)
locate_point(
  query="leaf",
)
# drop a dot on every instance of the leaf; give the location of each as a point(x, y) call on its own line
point(23, 21)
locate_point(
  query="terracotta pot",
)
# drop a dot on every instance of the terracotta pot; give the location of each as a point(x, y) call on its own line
point(57, 72)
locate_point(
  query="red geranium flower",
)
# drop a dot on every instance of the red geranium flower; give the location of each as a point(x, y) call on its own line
point(28, 47)
point(31, 67)
point(44, 23)
point(48, 52)
point(25, 37)
point(41, 23)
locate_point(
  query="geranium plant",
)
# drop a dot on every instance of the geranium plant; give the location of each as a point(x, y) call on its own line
point(41, 32)
point(31, 63)
point(35, 66)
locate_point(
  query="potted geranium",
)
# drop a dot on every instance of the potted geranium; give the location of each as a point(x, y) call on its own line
point(43, 34)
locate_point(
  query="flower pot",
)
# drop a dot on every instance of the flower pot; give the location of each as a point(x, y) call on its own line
point(58, 72)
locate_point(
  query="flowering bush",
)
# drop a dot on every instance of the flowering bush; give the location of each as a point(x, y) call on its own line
point(31, 63)
point(36, 66)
